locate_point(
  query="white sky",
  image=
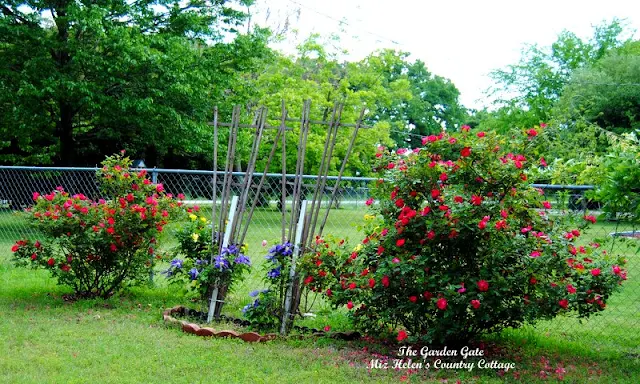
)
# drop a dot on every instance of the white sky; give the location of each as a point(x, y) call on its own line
point(462, 40)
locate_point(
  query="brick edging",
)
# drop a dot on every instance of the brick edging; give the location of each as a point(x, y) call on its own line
point(250, 337)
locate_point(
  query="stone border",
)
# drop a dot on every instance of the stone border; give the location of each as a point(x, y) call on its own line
point(250, 337)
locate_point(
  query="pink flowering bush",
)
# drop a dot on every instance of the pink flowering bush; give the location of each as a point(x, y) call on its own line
point(463, 245)
point(96, 247)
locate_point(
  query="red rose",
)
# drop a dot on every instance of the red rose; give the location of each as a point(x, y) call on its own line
point(369, 201)
point(400, 242)
point(435, 193)
point(532, 132)
point(442, 303)
point(476, 200)
point(352, 285)
point(483, 286)
point(595, 271)
point(458, 199)
point(385, 281)
point(308, 280)
point(413, 299)
point(546, 204)
point(427, 295)
point(51, 262)
point(399, 203)
point(564, 303)
point(475, 304)
point(481, 134)
point(465, 152)
point(372, 283)
point(329, 293)
point(402, 334)
point(590, 218)
point(443, 177)
point(15, 248)
point(571, 289)
point(350, 305)
point(482, 224)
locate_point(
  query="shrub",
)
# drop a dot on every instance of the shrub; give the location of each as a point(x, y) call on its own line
point(205, 266)
point(96, 247)
point(462, 245)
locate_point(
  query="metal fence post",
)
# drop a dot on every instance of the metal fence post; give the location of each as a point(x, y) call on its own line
point(154, 180)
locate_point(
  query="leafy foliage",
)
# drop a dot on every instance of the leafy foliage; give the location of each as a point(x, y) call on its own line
point(463, 245)
point(96, 247)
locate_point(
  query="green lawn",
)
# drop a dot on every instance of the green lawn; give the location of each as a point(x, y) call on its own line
point(123, 340)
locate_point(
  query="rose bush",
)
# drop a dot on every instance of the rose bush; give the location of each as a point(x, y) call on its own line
point(96, 247)
point(462, 245)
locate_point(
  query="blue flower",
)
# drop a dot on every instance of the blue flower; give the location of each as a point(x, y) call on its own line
point(274, 273)
point(193, 273)
point(176, 263)
point(254, 293)
point(256, 303)
point(246, 308)
point(201, 262)
point(242, 259)
point(230, 250)
point(221, 263)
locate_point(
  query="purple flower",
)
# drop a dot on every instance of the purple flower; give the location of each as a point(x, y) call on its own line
point(230, 250)
point(176, 263)
point(274, 273)
point(254, 293)
point(221, 263)
point(193, 273)
point(246, 308)
point(242, 259)
point(201, 262)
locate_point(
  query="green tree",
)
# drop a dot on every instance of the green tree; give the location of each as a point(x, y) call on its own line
point(82, 78)
point(536, 82)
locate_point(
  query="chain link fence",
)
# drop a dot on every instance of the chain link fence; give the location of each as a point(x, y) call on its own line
point(17, 185)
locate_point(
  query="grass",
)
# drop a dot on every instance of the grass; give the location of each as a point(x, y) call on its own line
point(123, 340)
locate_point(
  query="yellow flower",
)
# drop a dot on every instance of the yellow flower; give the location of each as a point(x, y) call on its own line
point(203, 219)
point(193, 217)
point(244, 248)
point(195, 236)
point(357, 248)
point(369, 217)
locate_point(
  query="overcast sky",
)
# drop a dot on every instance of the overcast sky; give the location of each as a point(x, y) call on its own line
point(462, 40)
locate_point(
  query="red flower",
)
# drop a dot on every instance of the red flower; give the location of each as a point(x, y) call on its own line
point(413, 299)
point(435, 193)
point(327, 328)
point(427, 295)
point(443, 177)
point(329, 293)
point(113, 247)
point(504, 214)
point(543, 162)
point(442, 303)
point(350, 305)
point(369, 201)
point(308, 280)
point(590, 218)
point(564, 303)
point(15, 248)
point(595, 271)
point(385, 281)
point(533, 280)
point(532, 132)
point(402, 334)
point(51, 262)
point(431, 235)
point(482, 224)
point(111, 231)
point(502, 224)
point(391, 166)
point(400, 242)
point(458, 199)
point(65, 268)
point(34, 256)
point(483, 286)
point(352, 285)
point(476, 200)
point(372, 283)
point(546, 204)
point(616, 269)
point(465, 152)
point(465, 128)
point(481, 134)
point(535, 254)
point(475, 304)
point(571, 289)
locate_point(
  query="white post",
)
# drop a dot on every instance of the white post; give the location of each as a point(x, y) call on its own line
point(292, 271)
point(225, 243)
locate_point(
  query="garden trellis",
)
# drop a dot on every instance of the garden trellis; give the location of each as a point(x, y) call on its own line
point(235, 212)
